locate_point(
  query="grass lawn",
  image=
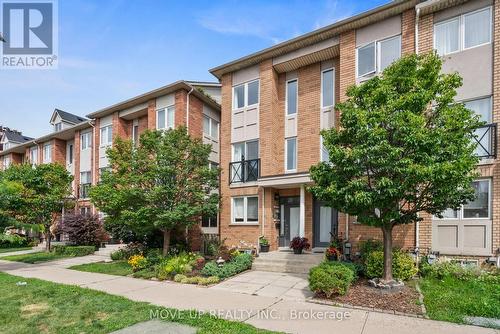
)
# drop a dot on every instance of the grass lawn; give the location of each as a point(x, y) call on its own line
point(120, 268)
point(8, 250)
point(46, 307)
point(451, 299)
point(35, 257)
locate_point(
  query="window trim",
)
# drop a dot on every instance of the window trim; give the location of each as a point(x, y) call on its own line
point(107, 128)
point(286, 155)
point(364, 75)
point(377, 55)
point(33, 150)
point(245, 153)
point(245, 92)
point(210, 120)
point(321, 89)
point(296, 96)
point(88, 142)
point(245, 209)
point(167, 127)
point(459, 33)
point(44, 157)
point(378, 51)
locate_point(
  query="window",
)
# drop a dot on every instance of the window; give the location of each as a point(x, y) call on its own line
point(6, 162)
point(291, 97)
point(58, 127)
point(209, 221)
point(246, 94)
point(325, 156)
point(34, 155)
point(327, 88)
point(6, 146)
point(210, 127)
point(47, 153)
point(135, 132)
point(165, 118)
point(482, 107)
point(85, 210)
point(291, 154)
point(107, 135)
point(246, 210)
point(70, 154)
point(478, 208)
point(246, 150)
point(86, 140)
point(85, 177)
point(463, 32)
point(375, 57)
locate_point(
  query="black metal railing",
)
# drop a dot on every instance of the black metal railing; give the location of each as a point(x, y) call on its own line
point(486, 139)
point(84, 190)
point(244, 171)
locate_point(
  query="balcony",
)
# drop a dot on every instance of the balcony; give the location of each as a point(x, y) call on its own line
point(84, 190)
point(486, 139)
point(244, 171)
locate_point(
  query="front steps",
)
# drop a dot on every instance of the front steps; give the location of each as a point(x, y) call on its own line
point(287, 262)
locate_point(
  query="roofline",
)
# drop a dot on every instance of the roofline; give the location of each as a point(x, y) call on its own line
point(177, 85)
point(45, 138)
point(288, 45)
point(204, 83)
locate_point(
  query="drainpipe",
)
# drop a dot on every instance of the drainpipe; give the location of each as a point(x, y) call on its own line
point(187, 109)
point(263, 209)
point(416, 30)
point(347, 227)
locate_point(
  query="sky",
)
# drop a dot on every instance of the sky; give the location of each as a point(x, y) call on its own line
point(112, 50)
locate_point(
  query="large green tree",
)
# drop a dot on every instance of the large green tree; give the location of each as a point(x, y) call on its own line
point(403, 147)
point(35, 195)
point(163, 183)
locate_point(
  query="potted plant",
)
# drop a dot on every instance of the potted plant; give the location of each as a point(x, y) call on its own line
point(332, 253)
point(298, 244)
point(264, 244)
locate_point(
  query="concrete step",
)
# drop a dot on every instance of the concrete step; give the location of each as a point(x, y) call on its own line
point(287, 262)
point(281, 268)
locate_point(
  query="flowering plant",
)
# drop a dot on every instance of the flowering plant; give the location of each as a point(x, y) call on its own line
point(137, 262)
point(331, 251)
point(300, 243)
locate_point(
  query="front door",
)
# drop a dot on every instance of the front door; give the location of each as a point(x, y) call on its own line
point(325, 222)
point(290, 220)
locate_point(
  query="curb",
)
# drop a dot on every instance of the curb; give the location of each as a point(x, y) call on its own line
point(421, 300)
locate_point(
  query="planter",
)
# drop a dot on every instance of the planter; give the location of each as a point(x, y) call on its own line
point(297, 251)
point(333, 257)
point(264, 248)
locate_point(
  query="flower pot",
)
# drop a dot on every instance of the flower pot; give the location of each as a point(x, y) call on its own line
point(297, 251)
point(264, 248)
point(332, 257)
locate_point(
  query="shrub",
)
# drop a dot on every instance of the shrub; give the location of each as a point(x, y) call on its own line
point(12, 241)
point(356, 268)
point(208, 280)
point(137, 262)
point(118, 255)
point(240, 263)
point(441, 270)
point(196, 279)
point(368, 246)
point(403, 266)
point(331, 278)
point(179, 277)
point(300, 243)
point(84, 230)
point(129, 250)
point(73, 250)
point(180, 264)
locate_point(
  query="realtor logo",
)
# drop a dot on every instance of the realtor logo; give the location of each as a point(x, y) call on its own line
point(30, 32)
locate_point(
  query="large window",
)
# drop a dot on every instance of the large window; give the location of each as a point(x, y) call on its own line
point(245, 210)
point(165, 118)
point(246, 94)
point(291, 154)
point(209, 221)
point(86, 141)
point(463, 32)
point(106, 135)
point(47, 153)
point(479, 208)
point(210, 127)
point(246, 151)
point(484, 135)
point(34, 155)
point(327, 88)
point(291, 97)
point(248, 170)
point(376, 56)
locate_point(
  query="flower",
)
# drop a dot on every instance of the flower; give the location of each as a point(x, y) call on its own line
point(331, 251)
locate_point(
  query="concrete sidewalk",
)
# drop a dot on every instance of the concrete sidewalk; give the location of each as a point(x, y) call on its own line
point(290, 316)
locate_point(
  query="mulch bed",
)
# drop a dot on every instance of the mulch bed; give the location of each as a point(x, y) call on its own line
point(361, 294)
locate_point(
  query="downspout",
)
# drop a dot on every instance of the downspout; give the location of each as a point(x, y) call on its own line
point(347, 227)
point(417, 225)
point(92, 163)
point(417, 16)
point(187, 109)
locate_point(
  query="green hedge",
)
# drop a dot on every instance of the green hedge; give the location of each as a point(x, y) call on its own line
point(403, 266)
point(330, 278)
point(237, 265)
point(12, 241)
point(73, 250)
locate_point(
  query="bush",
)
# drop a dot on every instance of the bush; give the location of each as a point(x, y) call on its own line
point(331, 278)
point(180, 264)
point(137, 262)
point(134, 248)
point(84, 230)
point(73, 250)
point(12, 241)
point(237, 265)
point(368, 246)
point(441, 270)
point(356, 268)
point(403, 266)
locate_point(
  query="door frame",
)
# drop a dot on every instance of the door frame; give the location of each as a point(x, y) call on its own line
point(286, 202)
point(316, 224)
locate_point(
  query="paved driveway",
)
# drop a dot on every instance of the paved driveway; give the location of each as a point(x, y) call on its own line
point(267, 284)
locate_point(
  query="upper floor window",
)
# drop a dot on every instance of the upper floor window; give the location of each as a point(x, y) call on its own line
point(485, 134)
point(291, 97)
point(34, 155)
point(70, 154)
point(246, 151)
point(245, 162)
point(85, 178)
point(376, 56)
point(325, 155)
point(106, 135)
point(327, 88)
point(47, 153)
point(291, 154)
point(210, 127)
point(86, 140)
point(57, 127)
point(165, 118)
point(480, 207)
point(6, 162)
point(463, 32)
point(246, 94)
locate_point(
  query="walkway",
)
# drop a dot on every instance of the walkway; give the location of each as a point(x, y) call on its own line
point(279, 314)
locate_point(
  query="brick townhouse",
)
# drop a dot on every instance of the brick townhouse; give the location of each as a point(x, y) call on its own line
point(276, 101)
point(80, 143)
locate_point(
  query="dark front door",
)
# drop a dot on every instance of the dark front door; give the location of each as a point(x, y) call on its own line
point(290, 220)
point(325, 222)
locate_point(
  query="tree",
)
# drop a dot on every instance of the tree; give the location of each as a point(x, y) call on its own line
point(163, 183)
point(403, 147)
point(36, 195)
point(84, 230)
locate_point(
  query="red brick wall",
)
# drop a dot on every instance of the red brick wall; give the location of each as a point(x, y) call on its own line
point(152, 114)
point(59, 151)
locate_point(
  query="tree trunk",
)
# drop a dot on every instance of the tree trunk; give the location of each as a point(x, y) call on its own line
point(48, 238)
point(387, 232)
point(166, 242)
